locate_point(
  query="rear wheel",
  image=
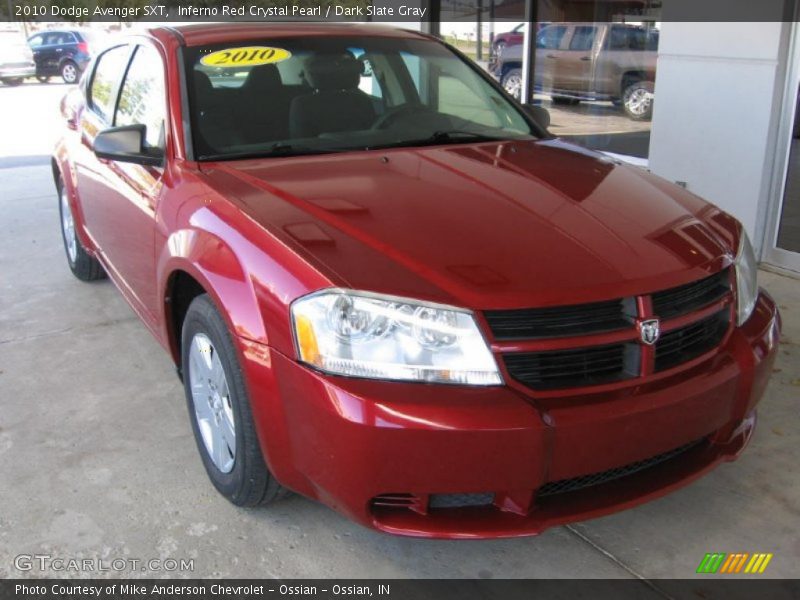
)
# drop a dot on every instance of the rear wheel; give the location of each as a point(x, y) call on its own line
point(512, 82)
point(219, 409)
point(84, 266)
point(43, 78)
point(69, 72)
point(637, 100)
point(12, 80)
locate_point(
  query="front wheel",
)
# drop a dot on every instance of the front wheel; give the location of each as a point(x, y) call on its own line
point(84, 266)
point(637, 100)
point(69, 72)
point(512, 83)
point(219, 409)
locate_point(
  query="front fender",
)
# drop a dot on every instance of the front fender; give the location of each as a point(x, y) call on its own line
point(214, 265)
point(62, 167)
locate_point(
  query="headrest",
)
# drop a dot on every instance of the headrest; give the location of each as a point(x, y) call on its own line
point(263, 80)
point(202, 85)
point(333, 72)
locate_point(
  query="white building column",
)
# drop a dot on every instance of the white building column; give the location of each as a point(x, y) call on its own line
point(717, 107)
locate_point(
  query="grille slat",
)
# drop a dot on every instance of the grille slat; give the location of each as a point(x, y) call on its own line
point(573, 368)
point(577, 483)
point(692, 296)
point(581, 319)
point(685, 344)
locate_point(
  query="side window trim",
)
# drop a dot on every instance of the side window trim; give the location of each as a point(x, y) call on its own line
point(117, 86)
point(135, 46)
point(121, 83)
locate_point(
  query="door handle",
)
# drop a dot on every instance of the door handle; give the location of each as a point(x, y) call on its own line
point(586, 58)
point(553, 56)
point(59, 49)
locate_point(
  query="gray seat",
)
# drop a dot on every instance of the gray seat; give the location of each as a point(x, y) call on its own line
point(264, 105)
point(216, 124)
point(336, 104)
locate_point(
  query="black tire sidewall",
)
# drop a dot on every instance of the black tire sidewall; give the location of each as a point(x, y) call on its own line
point(203, 317)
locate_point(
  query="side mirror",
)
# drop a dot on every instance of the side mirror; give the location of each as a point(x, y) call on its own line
point(539, 114)
point(126, 144)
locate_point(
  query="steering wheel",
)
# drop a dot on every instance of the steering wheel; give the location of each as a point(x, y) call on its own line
point(399, 112)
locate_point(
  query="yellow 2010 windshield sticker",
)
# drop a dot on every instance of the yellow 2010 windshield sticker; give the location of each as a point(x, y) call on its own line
point(247, 56)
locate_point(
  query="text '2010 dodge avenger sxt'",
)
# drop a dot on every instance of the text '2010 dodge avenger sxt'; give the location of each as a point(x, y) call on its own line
point(388, 288)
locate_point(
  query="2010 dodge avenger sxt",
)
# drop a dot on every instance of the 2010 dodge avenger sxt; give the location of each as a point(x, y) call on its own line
point(388, 288)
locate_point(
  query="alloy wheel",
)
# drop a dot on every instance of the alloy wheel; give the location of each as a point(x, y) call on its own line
point(213, 407)
point(68, 227)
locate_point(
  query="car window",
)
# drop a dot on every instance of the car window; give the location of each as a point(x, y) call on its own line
point(632, 38)
point(36, 41)
point(583, 38)
point(318, 94)
point(102, 92)
point(550, 38)
point(54, 39)
point(142, 98)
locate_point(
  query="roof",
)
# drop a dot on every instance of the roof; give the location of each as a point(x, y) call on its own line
point(212, 33)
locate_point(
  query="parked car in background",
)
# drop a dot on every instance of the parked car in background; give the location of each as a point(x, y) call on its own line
point(63, 52)
point(512, 38)
point(508, 38)
point(588, 61)
point(16, 60)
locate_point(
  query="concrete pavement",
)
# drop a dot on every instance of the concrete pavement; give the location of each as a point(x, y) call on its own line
point(97, 459)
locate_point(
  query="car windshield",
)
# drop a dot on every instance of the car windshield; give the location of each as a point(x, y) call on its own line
point(313, 95)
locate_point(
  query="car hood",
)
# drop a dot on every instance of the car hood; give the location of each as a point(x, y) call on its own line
point(491, 225)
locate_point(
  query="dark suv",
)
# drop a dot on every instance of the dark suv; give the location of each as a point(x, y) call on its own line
point(62, 52)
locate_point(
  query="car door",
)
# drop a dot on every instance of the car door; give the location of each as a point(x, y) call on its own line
point(36, 43)
point(548, 50)
point(47, 53)
point(120, 199)
point(575, 66)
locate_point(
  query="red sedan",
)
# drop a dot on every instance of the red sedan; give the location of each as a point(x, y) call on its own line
point(388, 288)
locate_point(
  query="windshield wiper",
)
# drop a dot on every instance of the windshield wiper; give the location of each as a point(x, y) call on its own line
point(279, 149)
point(452, 136)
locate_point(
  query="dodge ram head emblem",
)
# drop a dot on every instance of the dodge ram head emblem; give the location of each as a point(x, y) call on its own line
point(649, 331)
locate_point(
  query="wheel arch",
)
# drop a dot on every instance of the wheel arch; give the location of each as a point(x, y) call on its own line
point(630, 77)
point(196, 262)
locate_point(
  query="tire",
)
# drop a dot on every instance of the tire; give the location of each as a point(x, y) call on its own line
point(84, 266)
point(43, 78)
point(237, 470)
point(12, 81)
point(637, 100)
point(512, 82)
point(70, 72)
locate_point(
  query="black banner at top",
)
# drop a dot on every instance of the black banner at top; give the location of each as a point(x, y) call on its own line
point(464, 11)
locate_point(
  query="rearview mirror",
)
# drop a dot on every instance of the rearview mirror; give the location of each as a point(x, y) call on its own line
point(126, 144)
point(539, 114)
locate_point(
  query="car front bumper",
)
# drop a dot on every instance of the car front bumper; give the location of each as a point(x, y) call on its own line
point(394, 456)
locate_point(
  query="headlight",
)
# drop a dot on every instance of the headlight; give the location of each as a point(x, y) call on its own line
point(746, 283)
point(382, 337)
